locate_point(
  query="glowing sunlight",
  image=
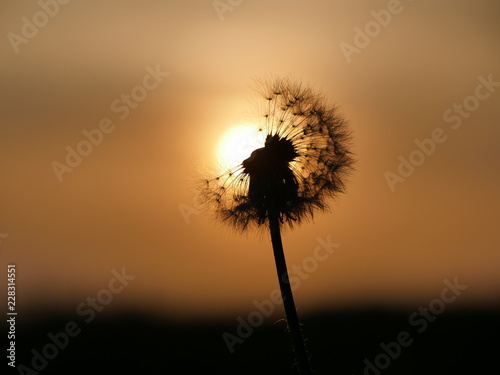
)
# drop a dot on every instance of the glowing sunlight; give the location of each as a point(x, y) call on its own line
point(237, 144)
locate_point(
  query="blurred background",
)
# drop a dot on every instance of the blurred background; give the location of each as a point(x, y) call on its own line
point(397, 71)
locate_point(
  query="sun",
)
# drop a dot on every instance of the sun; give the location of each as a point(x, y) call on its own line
point(237, 144)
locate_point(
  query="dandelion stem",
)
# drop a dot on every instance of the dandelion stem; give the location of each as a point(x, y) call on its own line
point(286, 293)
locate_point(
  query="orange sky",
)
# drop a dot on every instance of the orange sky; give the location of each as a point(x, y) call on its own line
point(120, 206)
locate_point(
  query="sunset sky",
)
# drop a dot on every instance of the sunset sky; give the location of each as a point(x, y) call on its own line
point(400, 72)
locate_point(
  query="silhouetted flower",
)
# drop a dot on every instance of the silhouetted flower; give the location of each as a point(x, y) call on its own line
point(302, 164)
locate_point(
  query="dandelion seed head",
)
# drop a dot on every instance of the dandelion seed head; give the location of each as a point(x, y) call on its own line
point(303, 163)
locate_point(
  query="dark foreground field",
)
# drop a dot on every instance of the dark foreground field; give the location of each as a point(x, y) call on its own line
point(357, 342)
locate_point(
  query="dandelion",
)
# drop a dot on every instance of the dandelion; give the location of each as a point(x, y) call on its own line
point(302, 165)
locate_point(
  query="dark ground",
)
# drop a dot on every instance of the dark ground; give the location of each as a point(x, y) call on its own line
point(466, 342)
